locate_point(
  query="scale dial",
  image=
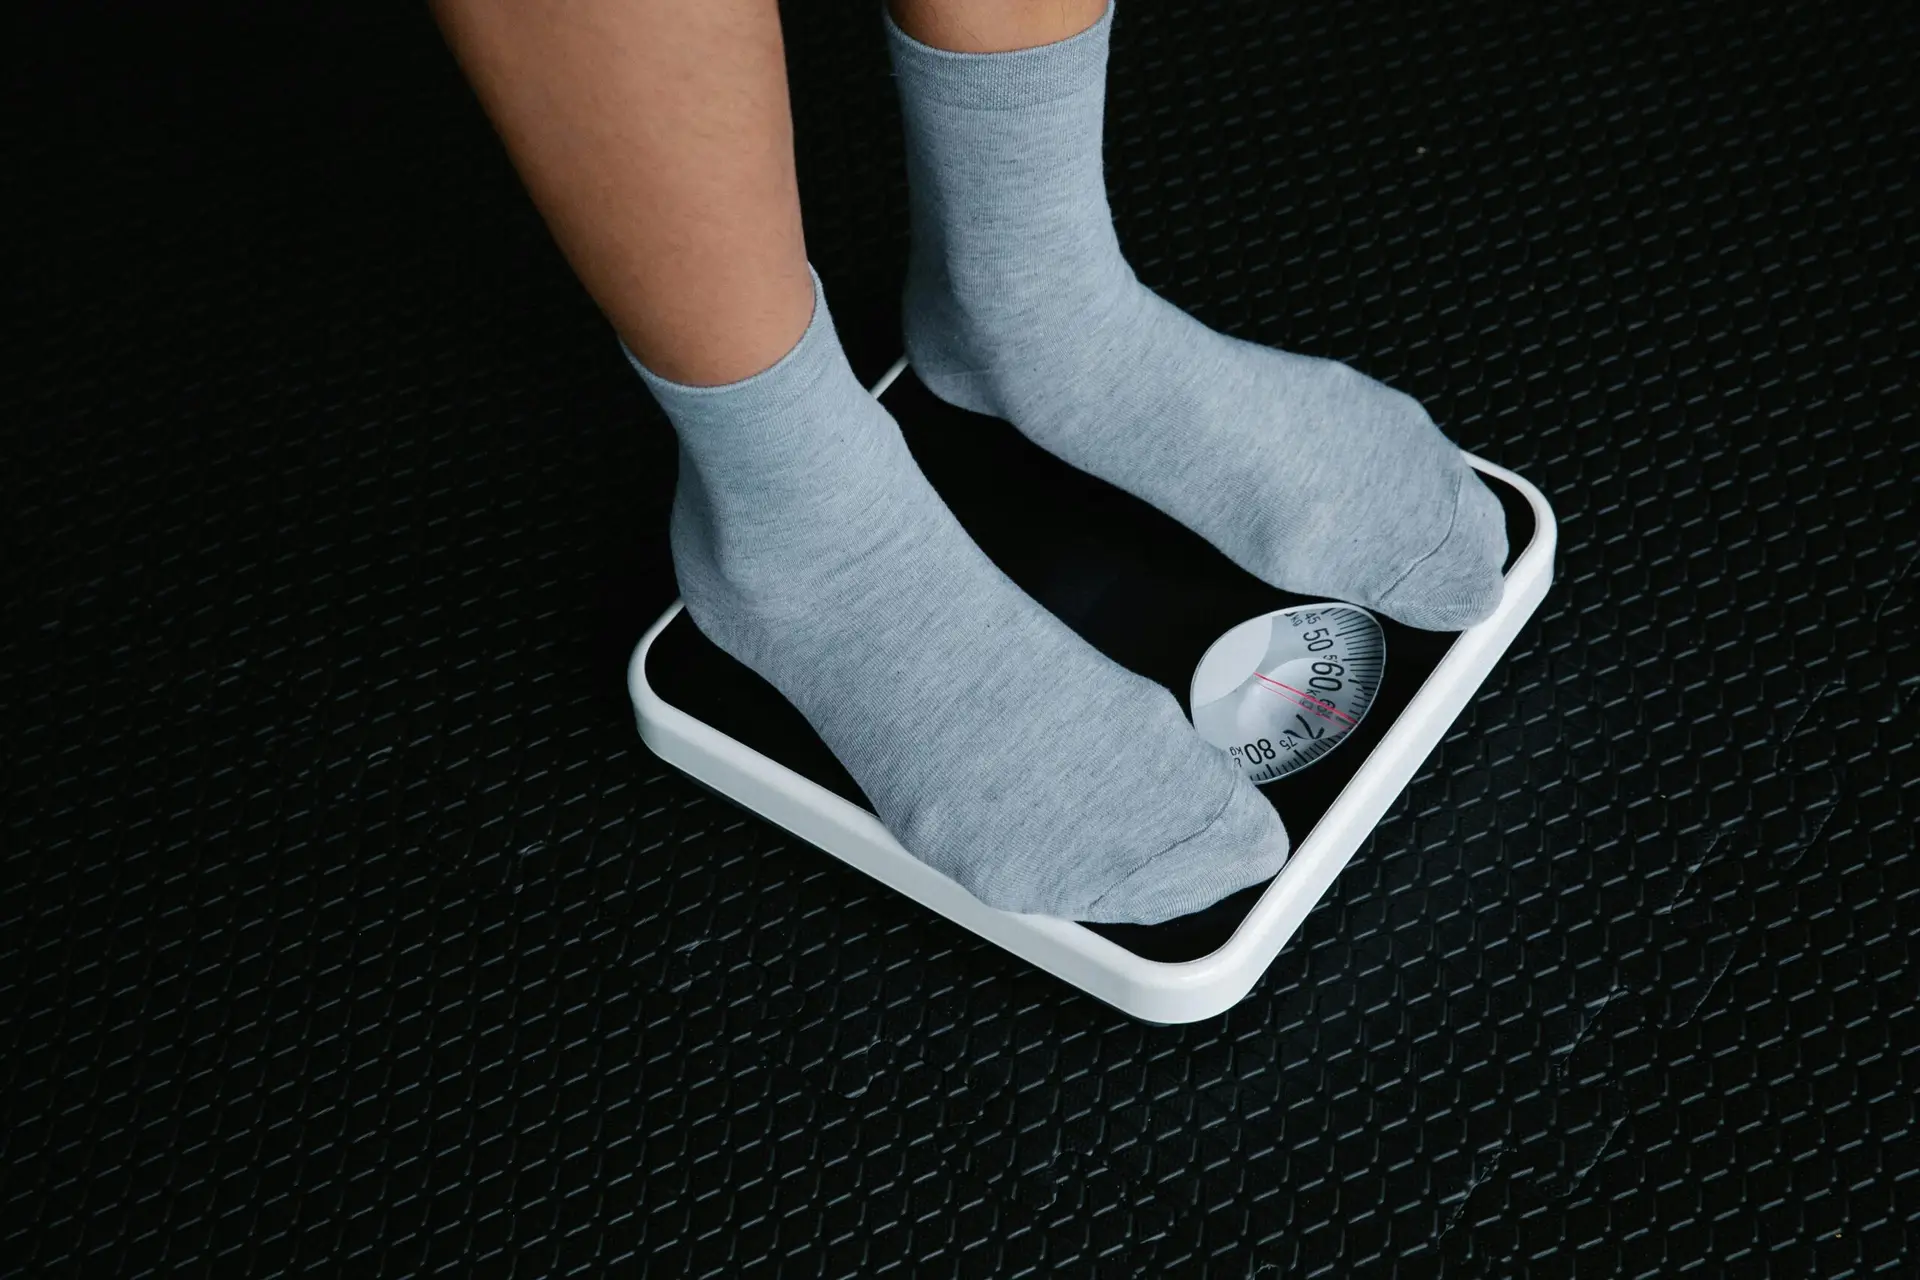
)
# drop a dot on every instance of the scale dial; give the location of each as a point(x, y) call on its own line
point(1282, 690)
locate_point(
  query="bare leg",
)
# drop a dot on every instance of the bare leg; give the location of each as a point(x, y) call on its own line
point(994, 26)
point(654, 136)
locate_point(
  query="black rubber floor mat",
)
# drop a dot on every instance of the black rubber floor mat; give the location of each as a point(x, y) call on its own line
point(347, 927)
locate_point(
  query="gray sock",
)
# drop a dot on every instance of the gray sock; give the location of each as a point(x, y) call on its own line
point(994, 743)
point(1020, 305)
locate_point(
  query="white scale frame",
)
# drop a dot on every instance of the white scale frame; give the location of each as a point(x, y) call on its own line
point(1150, 990)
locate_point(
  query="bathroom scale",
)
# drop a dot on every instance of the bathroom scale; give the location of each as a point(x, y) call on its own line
point(1329, 708)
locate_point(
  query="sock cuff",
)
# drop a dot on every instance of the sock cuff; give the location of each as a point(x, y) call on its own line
point(1002, 81)
point(769, 391)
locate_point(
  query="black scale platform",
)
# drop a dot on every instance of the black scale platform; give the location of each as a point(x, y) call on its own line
point(347, 927)
point(1133, 583)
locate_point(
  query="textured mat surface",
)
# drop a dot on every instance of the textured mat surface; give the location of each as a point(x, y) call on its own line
point(347, 927)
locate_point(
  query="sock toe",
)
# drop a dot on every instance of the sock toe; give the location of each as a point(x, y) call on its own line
point(1460, 583)
point(1244, 845)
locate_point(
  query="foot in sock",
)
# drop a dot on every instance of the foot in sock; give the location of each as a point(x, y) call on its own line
point(1019, 304)
point(993, 742)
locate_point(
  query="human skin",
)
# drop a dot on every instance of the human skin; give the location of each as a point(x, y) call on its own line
point(656, 140)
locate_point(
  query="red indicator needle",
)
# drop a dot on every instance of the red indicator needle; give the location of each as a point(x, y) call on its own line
point(1313, 704)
